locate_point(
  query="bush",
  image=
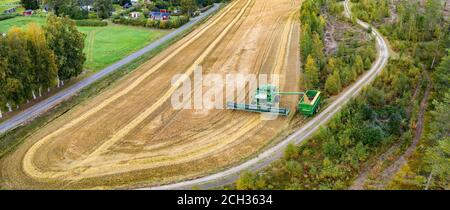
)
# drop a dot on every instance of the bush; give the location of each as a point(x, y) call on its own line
point(163, 24)
point(150, 23)
point(91, 23)
point(78, 14)
point(174, 22)
point(92, 15)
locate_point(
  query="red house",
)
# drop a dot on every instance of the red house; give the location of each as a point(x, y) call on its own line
point(27, 12)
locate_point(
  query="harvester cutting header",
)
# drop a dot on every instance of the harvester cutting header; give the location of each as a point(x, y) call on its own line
point(267, 97)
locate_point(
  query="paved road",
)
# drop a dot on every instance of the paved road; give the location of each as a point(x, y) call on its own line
point(43, 106)
point(264, 159)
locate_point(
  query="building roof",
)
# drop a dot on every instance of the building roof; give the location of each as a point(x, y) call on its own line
point(159, 13)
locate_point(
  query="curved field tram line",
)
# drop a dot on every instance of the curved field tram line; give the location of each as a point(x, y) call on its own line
point(41, 107)
point(131, 136)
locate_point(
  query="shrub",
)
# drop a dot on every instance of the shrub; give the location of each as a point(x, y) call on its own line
point(92, 15)
point(150, 23)
point(163, 24)
point(174, 22)
point(78, 14)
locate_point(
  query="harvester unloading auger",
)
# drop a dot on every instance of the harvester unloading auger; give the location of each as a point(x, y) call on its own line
point(267, 97)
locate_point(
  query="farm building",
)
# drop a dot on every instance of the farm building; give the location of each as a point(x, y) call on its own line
point(10, 11)
point(135, 15)
point(160, 15)
point(28, 12)
point(87, 8)
point(127, 6)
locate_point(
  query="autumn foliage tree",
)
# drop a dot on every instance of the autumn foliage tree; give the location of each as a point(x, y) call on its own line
point(188, 6)
point(311, 73)
point(32, 59)
point(104, 8)
point(20, 70)
point(3, 73)
point(43, 59)
point(67, 43)
point(333, 84)
point(351, 59)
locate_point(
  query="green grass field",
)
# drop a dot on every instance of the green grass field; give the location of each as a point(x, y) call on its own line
point(104, 45)
point(8, 4)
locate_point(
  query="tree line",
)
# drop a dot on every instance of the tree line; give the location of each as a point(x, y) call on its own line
point(335, 71)
point(73, 8)
point(436, 158)
point(421, 33)
point(370, 10)
point(336, 153)
point(104, 8)
point(34, 59)
point(383, 115)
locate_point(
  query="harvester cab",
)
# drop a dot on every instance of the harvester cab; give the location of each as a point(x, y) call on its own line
point(267, 97)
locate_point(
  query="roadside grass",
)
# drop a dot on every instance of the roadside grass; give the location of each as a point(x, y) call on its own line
point(103, 45)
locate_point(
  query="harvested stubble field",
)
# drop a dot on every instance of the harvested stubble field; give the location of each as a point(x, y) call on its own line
point(130, 136)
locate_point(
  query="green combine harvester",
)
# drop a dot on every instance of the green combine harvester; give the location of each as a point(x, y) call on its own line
point(267, 97)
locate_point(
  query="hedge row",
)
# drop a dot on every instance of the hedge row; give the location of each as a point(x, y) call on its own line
point(92, 23)
point(161, 24)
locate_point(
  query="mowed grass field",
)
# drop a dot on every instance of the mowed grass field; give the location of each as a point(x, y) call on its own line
point(8, 4)
point(104, 45)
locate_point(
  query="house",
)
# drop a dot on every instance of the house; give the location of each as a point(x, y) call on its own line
point(177, 12)
point(10, 11)
point(27, 12)
point(46, 8)
point(135, 15)
point(87, 8)
point(127, 6)
point(160, 15)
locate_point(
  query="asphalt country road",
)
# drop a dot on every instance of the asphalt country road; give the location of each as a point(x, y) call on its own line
point(41, 107)
point(267, 157)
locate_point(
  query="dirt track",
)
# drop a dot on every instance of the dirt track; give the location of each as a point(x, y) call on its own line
point(130, 135)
